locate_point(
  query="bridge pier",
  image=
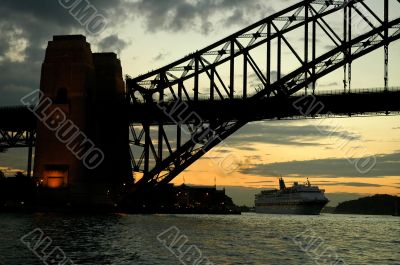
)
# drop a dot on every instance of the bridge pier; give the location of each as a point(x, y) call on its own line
point(30, 153)
point(81, 155)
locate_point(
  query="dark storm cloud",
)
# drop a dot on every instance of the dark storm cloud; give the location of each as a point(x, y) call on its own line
point(386, 165)
point(33, 23)
point(348, 184)
point(260, 182)
point(176, 15)
point(325, 183)
point(13, 160)
point(112, 43)
point(284, 134)
point(16, 80)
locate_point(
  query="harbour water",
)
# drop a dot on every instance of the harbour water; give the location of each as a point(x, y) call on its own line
point(245, 239)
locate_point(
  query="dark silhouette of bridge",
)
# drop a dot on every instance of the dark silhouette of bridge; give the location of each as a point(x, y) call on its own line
point(228, 104)
point(182, 110)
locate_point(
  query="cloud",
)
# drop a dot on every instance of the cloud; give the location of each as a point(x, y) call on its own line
point(332, 84)
point(254, 80)
point(16, 80)
point(161, 56)
point(178, 15)
point(112, 43)
point(348, 184)
point(283, 133)
point(26, 27)
point(286, 134)
point(13, 160)
point(386, 165)
point(260, 182)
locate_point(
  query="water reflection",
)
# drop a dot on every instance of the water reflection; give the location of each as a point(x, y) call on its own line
point(247, 239)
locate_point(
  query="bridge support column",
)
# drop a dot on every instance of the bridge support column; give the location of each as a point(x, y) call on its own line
point(386, 48)
point(89, 90)
point(30, 152)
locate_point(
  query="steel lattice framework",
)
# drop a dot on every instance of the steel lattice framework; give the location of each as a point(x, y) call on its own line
point(230, 69)
point(17, 127)
point(17, 138)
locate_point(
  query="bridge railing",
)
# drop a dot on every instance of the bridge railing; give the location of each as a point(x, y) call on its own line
point(332, 92)
point(335, 92)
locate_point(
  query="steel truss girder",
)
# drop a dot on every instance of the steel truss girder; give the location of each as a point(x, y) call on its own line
point(152, 87)
point(17, 138)
point(151, 83)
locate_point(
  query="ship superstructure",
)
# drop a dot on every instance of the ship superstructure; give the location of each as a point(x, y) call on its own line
point(298, 199)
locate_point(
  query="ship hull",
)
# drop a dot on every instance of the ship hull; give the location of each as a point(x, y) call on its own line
point(305, 208)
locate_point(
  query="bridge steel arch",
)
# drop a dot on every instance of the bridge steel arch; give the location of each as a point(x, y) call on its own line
point(212, 74)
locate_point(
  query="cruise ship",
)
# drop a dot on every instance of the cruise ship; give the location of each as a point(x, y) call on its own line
point(298, 199)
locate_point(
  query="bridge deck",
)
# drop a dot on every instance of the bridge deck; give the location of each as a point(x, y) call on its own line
point(366, 102)
point(336, 103)
point(17, 118)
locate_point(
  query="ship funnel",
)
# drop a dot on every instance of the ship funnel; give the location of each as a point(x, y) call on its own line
point(282, 185)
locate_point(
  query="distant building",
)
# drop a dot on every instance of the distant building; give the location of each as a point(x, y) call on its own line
point(200, 197)
point(184, 199)
point(17, 193)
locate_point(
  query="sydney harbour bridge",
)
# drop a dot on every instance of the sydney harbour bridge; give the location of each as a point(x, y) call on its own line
point(266, 71)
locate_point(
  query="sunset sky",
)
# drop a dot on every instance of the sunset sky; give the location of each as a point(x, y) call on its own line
point(147, 34)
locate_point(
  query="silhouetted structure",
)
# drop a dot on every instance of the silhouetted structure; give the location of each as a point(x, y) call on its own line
point(17, 193)
point(222, 75)
point(208, 91)
point(379, 204)
point(81, 84)
point(181, 200)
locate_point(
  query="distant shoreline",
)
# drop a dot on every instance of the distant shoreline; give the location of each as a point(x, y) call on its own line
point(379, 204)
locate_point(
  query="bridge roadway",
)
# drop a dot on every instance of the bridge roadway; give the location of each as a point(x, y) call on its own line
point(371, 102)
point(361, 102)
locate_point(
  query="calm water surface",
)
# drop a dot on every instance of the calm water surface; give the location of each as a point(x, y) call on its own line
point(245, 239)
